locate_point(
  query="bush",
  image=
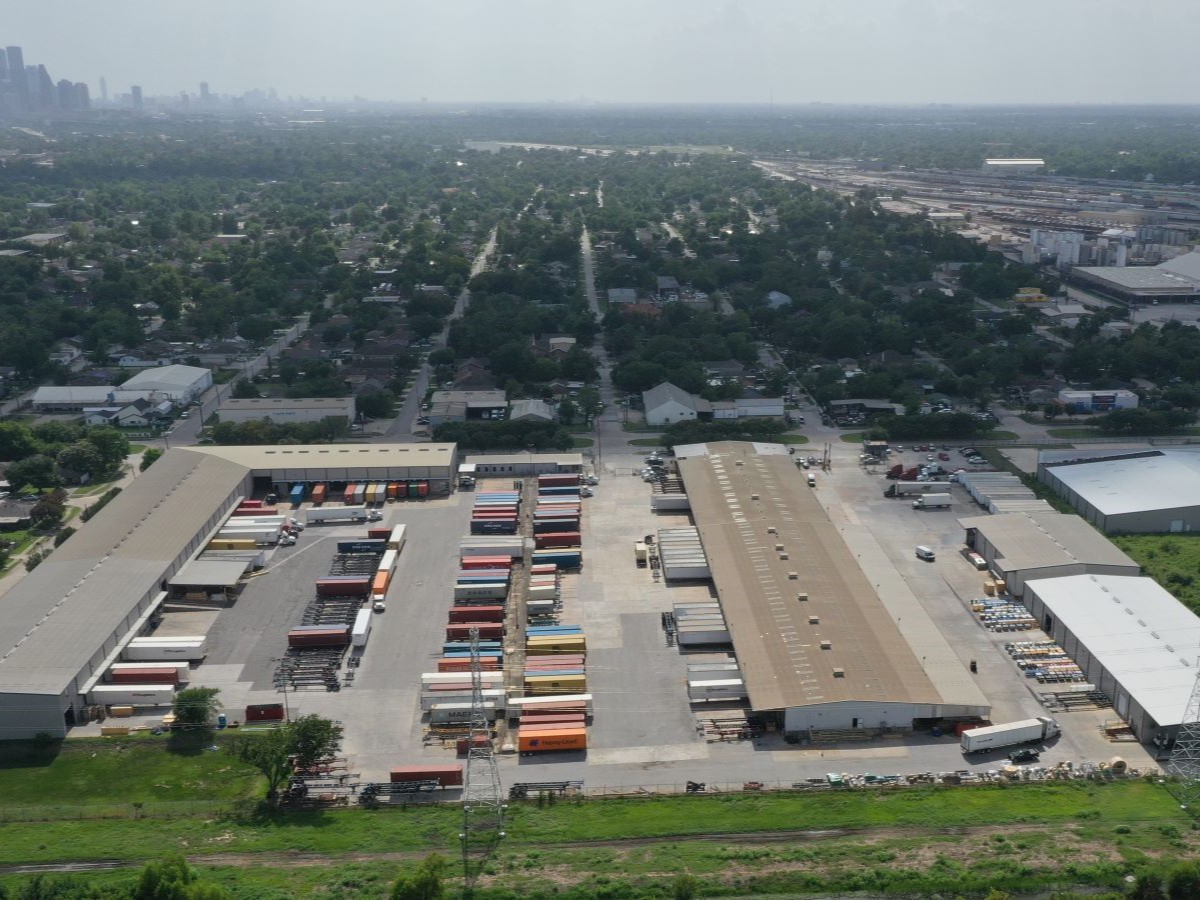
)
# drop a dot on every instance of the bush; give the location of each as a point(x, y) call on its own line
point(104, 500)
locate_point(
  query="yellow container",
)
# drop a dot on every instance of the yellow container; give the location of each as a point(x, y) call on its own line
point(233, 544)
point(556, 684)
point(1001, 586)
point(989, 588)
point(113, 730)
point(120, 712)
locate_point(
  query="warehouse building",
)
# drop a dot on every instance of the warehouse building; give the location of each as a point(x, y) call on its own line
point(1013, 166)
point(819, 649)
point(183, 384)
point(66, 621)
point(524, 464)
point(1021, 546)
point(1097, 401)
point(1137, 492)
point(281, 409)
point(1174, 281)
point(1133, 640)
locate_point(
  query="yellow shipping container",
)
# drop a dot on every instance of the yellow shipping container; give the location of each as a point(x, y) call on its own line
point(556, 684)
point(120, 712)
point(989, 588)
point(556, 645)
point(114, 730)
point(1001, 586)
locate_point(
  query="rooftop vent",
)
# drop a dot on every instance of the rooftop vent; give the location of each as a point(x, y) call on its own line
point(826, 645)
point(839, 673)
point(814, 620)
point(802, 597)
point(779, 546)
point(792, 576)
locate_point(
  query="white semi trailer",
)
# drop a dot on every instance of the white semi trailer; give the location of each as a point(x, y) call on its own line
point(996, 737)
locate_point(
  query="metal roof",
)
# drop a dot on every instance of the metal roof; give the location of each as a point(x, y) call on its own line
point(1037, 540)
point(211, 573)
point(1149, 480)
point(59, 616)
point(56, 618)
point(332, 456)
point(665, 393)
point(737, 496)
point(167, 377)
point(1144, 278)
point(266, 404)
point(1140, 633)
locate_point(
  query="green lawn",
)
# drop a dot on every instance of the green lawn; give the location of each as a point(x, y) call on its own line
point(852, 437)
point(645, 442)
point(1173, 560)
point(581, 441)
point(1072, 433)
point(793, 439)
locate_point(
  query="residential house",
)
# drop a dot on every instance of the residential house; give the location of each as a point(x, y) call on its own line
point(622, 295)
point(531, 411)
point(778, 299)
point(668, 287)
point(553, 346)
point(474, 375)
point(138, 414)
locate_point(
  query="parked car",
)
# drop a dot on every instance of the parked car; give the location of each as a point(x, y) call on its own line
point(944, 457)
point(1024, 755)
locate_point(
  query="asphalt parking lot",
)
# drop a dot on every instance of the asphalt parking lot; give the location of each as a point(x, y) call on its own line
point(644, 734)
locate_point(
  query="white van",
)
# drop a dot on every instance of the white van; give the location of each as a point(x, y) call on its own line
point(812, 480)
point(925, 553)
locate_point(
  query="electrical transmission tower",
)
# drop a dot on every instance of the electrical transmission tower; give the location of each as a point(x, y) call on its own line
point(483, 804)
point(1185, 757)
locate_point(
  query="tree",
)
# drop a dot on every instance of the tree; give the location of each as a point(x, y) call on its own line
point(48, 511)
point(1147, 886)
point(567, 411)
point(37, 471)
point(685, 887)
point(1183, 881)
point(171, 878)
point(149, 458)
point(376, 404)
point(196, 707)
point(245, 389)
point(300, 743)
point(16, 441)
point(423, 884)
point(79, 461)
point(112, 444)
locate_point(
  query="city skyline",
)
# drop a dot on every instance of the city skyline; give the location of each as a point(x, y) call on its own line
point(700, 51)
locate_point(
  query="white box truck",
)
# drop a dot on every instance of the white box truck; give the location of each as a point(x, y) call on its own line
point(996, 737)
point(932, 501)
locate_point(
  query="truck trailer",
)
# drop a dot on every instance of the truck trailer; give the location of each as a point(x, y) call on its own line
point(932, 501)
point(903, 488)
point(995, 737)
point(336, 514)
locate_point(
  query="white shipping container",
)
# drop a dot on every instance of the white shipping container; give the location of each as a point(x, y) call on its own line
point(387, 562)
point(169, 638)
point(451, 713)
point(335, 514)
point(397, 538)
point(132, 695)
point(463, 677)
point(362, 628)
point(492, 695)
point(516, 704)
point(172, 652)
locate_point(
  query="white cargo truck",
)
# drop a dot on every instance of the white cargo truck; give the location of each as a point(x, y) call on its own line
point(996, 737)
point(932, 501)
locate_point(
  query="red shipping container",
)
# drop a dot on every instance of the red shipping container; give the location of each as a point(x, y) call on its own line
point(486, 562)
point(329, 637)
point(559, 539)
point(550, 725)
point(318, 494)
point(476, 614)
point(251, 504)
point(461, 664)
point(145, 676)
point(375, 534)
point(350, 587)
point(255, 511)
point(264, 712)
point(487, 631)
point(446, 775)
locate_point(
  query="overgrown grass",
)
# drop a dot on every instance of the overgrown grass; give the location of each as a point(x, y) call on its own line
point(793, 439)
point(645, 442)
point(1173, 560)
point(55, 778)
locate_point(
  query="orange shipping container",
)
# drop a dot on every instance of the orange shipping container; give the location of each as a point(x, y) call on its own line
point(318, 494)
point(380, 585)
point(393, 490)
point(538, 741)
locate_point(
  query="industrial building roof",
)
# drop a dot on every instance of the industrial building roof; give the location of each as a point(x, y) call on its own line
point(1131, 483)
point(332, 456)
point(266, 404)
point(163, 378)
point(746, 506)
point(55, 617)
point(1037, 540)
point(1142, 278)
point(1140, 633)
point(84, 394)
point(204, 573)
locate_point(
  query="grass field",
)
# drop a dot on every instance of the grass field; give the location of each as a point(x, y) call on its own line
point(1173, 560)
point(920, 841)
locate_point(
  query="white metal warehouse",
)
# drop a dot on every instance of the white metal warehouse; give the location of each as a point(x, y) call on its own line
point(1144, 491)
point(283, 409)
point(1019, 546)
point(1132, 639)
point(819, 649)
point(68, 619)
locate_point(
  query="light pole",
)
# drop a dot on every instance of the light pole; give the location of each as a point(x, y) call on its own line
point(287, 712)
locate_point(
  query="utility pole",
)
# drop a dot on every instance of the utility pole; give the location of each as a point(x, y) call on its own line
point(483, 804)
point(1185, 756)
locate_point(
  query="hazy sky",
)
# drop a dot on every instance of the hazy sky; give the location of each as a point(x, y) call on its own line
point(621, 51)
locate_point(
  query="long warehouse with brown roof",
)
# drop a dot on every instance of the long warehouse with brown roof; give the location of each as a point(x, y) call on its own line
point(69, 618)
point(817, 645)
